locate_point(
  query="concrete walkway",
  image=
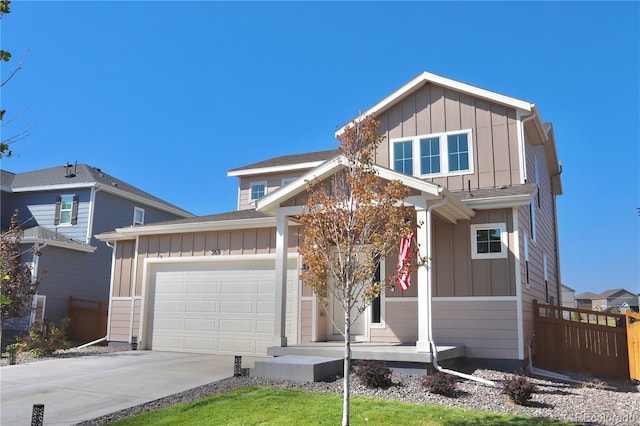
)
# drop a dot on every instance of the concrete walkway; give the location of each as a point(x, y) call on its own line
point(78, 389)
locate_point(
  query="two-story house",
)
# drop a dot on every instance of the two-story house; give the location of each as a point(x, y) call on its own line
point(61, 208)
point(483, 174)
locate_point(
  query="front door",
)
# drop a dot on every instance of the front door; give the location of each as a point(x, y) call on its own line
point(359, 328)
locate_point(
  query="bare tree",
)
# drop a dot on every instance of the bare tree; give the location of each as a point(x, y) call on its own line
point(351, 223)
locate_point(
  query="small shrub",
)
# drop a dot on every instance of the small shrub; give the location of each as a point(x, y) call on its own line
point(519, 389)
point(44, 340)
point(440, 383)
point(373, 375)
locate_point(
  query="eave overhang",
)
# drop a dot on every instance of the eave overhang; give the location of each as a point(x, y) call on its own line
point(274, 169)
point(42, 242)
point(132, 232)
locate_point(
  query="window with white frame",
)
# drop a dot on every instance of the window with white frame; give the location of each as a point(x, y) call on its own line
point(489, 241)
point(438, 154)
point(138, 216)
point(257, 190)
point(287, 180)
point(66, 210)
point(526, 261)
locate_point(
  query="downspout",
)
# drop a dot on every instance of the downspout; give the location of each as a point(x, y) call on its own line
point(557, 238)
point(103, 339)
point(524, 147)
point(434, 348)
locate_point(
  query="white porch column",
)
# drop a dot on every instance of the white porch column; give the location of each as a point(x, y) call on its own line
point(282, 239)
point(423, 237)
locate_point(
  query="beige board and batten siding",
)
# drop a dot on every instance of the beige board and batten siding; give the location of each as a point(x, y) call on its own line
point(487, 328)
point(400, 322)
point(544, 244)
point(434, 109)
point(128, 268)
point(456, 274)
point(273, 181)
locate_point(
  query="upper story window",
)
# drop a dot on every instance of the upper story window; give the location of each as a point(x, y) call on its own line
point(257, 190)
point(439, 154)
point(66, 210)
point(138, 216)
point(489, 241)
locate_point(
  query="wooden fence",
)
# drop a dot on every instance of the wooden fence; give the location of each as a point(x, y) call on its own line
point(633, 342)
point(580, 340)
point(88, 319)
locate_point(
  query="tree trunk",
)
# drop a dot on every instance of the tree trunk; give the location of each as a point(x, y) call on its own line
point(347, 370)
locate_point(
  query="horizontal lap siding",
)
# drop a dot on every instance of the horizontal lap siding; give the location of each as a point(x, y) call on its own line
point(306, 320)
point(488, 329)
point(120, 320)
point(433, 109)
point(401, 323)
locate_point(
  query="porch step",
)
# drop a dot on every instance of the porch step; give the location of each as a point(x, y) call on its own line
point(298, 368)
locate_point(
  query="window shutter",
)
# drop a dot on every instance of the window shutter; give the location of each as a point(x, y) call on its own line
point(74, 210)
point(56, 218)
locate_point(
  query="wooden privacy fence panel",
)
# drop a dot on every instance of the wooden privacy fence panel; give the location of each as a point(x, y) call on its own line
point(88, 319)
point(633, 342)
point(580, 340)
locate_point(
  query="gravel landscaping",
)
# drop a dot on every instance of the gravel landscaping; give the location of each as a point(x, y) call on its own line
point(590, 403)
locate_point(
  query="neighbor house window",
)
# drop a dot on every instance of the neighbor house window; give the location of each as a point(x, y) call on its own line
point(66, 210)
point(438, 154)
point(138, 216)
point(257, 190)
point(489, 241)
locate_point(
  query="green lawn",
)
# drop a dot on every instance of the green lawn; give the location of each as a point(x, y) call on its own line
point(258, 405)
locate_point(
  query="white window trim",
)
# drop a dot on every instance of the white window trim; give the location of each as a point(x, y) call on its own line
point(532, 210)
point(527, 271)
point(503, 239)
point(60, 222)
point(383, 300)
point(135, 214)
point(251, 185)
point(444, 153)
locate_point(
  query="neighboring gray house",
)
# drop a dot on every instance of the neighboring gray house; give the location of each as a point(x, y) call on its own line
point(61, 208)
point(568, 297)
point(607, 300)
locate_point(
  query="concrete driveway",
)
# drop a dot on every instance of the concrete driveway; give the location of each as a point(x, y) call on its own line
point(78, 389)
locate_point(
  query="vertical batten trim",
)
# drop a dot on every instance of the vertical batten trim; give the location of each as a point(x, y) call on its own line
point(516, 255)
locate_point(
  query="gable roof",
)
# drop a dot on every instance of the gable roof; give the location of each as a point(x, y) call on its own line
point(425, 78)
point(452, 210)
point(539, 133)
point(616, 292)
point(306, 160)
point(83, 176)
point(587, 295)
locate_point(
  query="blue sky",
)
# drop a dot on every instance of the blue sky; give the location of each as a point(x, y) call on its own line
point(168, 96)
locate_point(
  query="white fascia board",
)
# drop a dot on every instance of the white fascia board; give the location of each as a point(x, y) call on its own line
point(499, 202)
point(274, 169)
point(223, 225)
point(59, 187)
point(447, 83)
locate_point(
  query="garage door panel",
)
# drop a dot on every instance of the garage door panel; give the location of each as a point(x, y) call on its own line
point(217, 307)
point(201, 344)
point(204, 306)
point(199, 324)
point(236, 326)
point(235, 346)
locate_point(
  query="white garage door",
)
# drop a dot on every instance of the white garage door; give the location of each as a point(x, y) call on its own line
point(221, 307)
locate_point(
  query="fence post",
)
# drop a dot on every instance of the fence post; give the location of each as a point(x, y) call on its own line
point(37, 415)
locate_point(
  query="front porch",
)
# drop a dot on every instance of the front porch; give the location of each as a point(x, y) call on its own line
point(388, 352)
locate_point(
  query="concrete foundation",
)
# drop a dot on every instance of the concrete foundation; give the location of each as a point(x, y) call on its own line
point(298, 368)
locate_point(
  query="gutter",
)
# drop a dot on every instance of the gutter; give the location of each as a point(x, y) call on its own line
point(432, 344)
